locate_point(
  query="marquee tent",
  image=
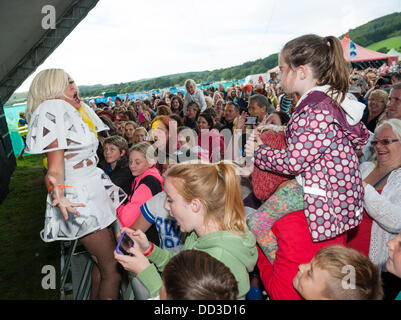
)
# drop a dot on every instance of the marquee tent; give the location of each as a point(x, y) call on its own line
point(364, 57)
point(394, 52)
point(274, 70)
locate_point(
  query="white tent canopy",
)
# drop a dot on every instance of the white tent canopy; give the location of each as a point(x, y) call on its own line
point(394, 52)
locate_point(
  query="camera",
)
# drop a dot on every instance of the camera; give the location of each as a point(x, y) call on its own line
point(251, 120)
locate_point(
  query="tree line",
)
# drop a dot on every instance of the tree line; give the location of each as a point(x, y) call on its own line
point(376, 30)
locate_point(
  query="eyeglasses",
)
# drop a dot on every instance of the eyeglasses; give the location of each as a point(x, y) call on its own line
point(374, 100)
point(384, 142)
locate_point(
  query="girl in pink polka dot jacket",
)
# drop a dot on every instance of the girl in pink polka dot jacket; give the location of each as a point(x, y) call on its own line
point(322, 136)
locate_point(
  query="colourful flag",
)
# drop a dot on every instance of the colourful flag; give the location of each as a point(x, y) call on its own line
point(352, 50)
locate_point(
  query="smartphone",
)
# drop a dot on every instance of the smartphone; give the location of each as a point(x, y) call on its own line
point(250, 120)
point(124, 244)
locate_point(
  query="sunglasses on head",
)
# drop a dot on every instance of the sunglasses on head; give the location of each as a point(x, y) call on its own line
point(384, 142)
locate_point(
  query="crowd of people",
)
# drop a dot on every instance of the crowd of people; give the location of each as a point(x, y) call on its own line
point(254, 191)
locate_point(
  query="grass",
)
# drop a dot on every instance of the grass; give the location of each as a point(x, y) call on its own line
point(389, 43)
point(23, 253)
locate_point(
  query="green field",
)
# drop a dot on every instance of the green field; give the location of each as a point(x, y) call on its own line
point(23, 253)
point(394, 42)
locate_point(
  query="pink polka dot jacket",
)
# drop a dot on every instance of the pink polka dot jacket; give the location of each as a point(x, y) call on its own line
point(321, 147)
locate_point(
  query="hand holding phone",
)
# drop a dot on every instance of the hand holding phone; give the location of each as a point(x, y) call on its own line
point(251, 120)
point(124, 244)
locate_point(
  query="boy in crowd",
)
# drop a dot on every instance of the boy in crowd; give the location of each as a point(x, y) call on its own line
point(115, 163)
point(339, 273)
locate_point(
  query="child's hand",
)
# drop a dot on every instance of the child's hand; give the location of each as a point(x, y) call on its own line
point(241, 121)
point(253, 142)
point(127, 231)
point(141, 241)
point(135, 263)
point(263, 122)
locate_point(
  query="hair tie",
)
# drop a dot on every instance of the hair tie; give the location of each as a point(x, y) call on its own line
point(327, 41)
point(220, 172)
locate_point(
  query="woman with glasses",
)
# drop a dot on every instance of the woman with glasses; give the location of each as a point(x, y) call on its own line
point(376, 106)
point(382, 202)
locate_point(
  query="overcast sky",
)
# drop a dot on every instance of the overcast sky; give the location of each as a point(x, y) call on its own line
point(126, 40)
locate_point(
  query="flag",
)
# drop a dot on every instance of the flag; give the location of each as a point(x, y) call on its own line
point(352, 50)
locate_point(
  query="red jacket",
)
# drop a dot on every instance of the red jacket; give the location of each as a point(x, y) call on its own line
point(295, 247)
point(264, 183)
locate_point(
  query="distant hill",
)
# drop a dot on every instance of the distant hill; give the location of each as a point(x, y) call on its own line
point(376, 30)
point(380, 29)
point(386, 45)
point(235, 72)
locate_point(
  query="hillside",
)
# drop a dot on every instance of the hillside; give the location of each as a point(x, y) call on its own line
point(380, 29)
point(376, 30)
point(386, 45)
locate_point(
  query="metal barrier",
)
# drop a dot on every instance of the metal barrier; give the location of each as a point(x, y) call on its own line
point(76, 268)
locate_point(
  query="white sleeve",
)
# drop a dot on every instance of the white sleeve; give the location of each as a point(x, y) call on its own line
point(202, 101)
point(385, 208)
point(367, 151)
point(186, 102)
point(56, 120)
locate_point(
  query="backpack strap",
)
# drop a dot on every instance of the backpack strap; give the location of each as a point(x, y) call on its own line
point(153, 183)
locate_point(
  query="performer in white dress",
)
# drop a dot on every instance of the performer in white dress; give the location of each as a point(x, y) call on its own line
point(82, 200)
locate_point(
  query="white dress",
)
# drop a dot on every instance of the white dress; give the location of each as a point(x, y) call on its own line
point(86, 183)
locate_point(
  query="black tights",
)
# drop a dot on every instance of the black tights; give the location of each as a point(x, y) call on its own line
point(106, 275)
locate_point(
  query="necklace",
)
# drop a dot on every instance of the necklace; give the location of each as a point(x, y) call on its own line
point(382, 178)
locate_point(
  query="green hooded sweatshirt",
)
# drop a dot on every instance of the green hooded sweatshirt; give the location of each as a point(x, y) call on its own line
point(237, 252)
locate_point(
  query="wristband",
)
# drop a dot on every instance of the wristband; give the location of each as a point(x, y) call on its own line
point(61, 186)
point(150, 250)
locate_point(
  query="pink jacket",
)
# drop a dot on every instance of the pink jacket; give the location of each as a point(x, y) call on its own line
point(321, 148)
point(213, 142)
point(143, 188)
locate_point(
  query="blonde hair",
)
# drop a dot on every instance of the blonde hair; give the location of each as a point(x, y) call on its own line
point(380, 94)
point(47, 85)
point(131, 123)
point(368, 284)
point(141, 147)
point(147, 150)
point(139, 129)
point(217, 186)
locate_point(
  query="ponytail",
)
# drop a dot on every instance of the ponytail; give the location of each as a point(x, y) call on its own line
point(337, 75)
point(326, 58)
point(234, 206)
